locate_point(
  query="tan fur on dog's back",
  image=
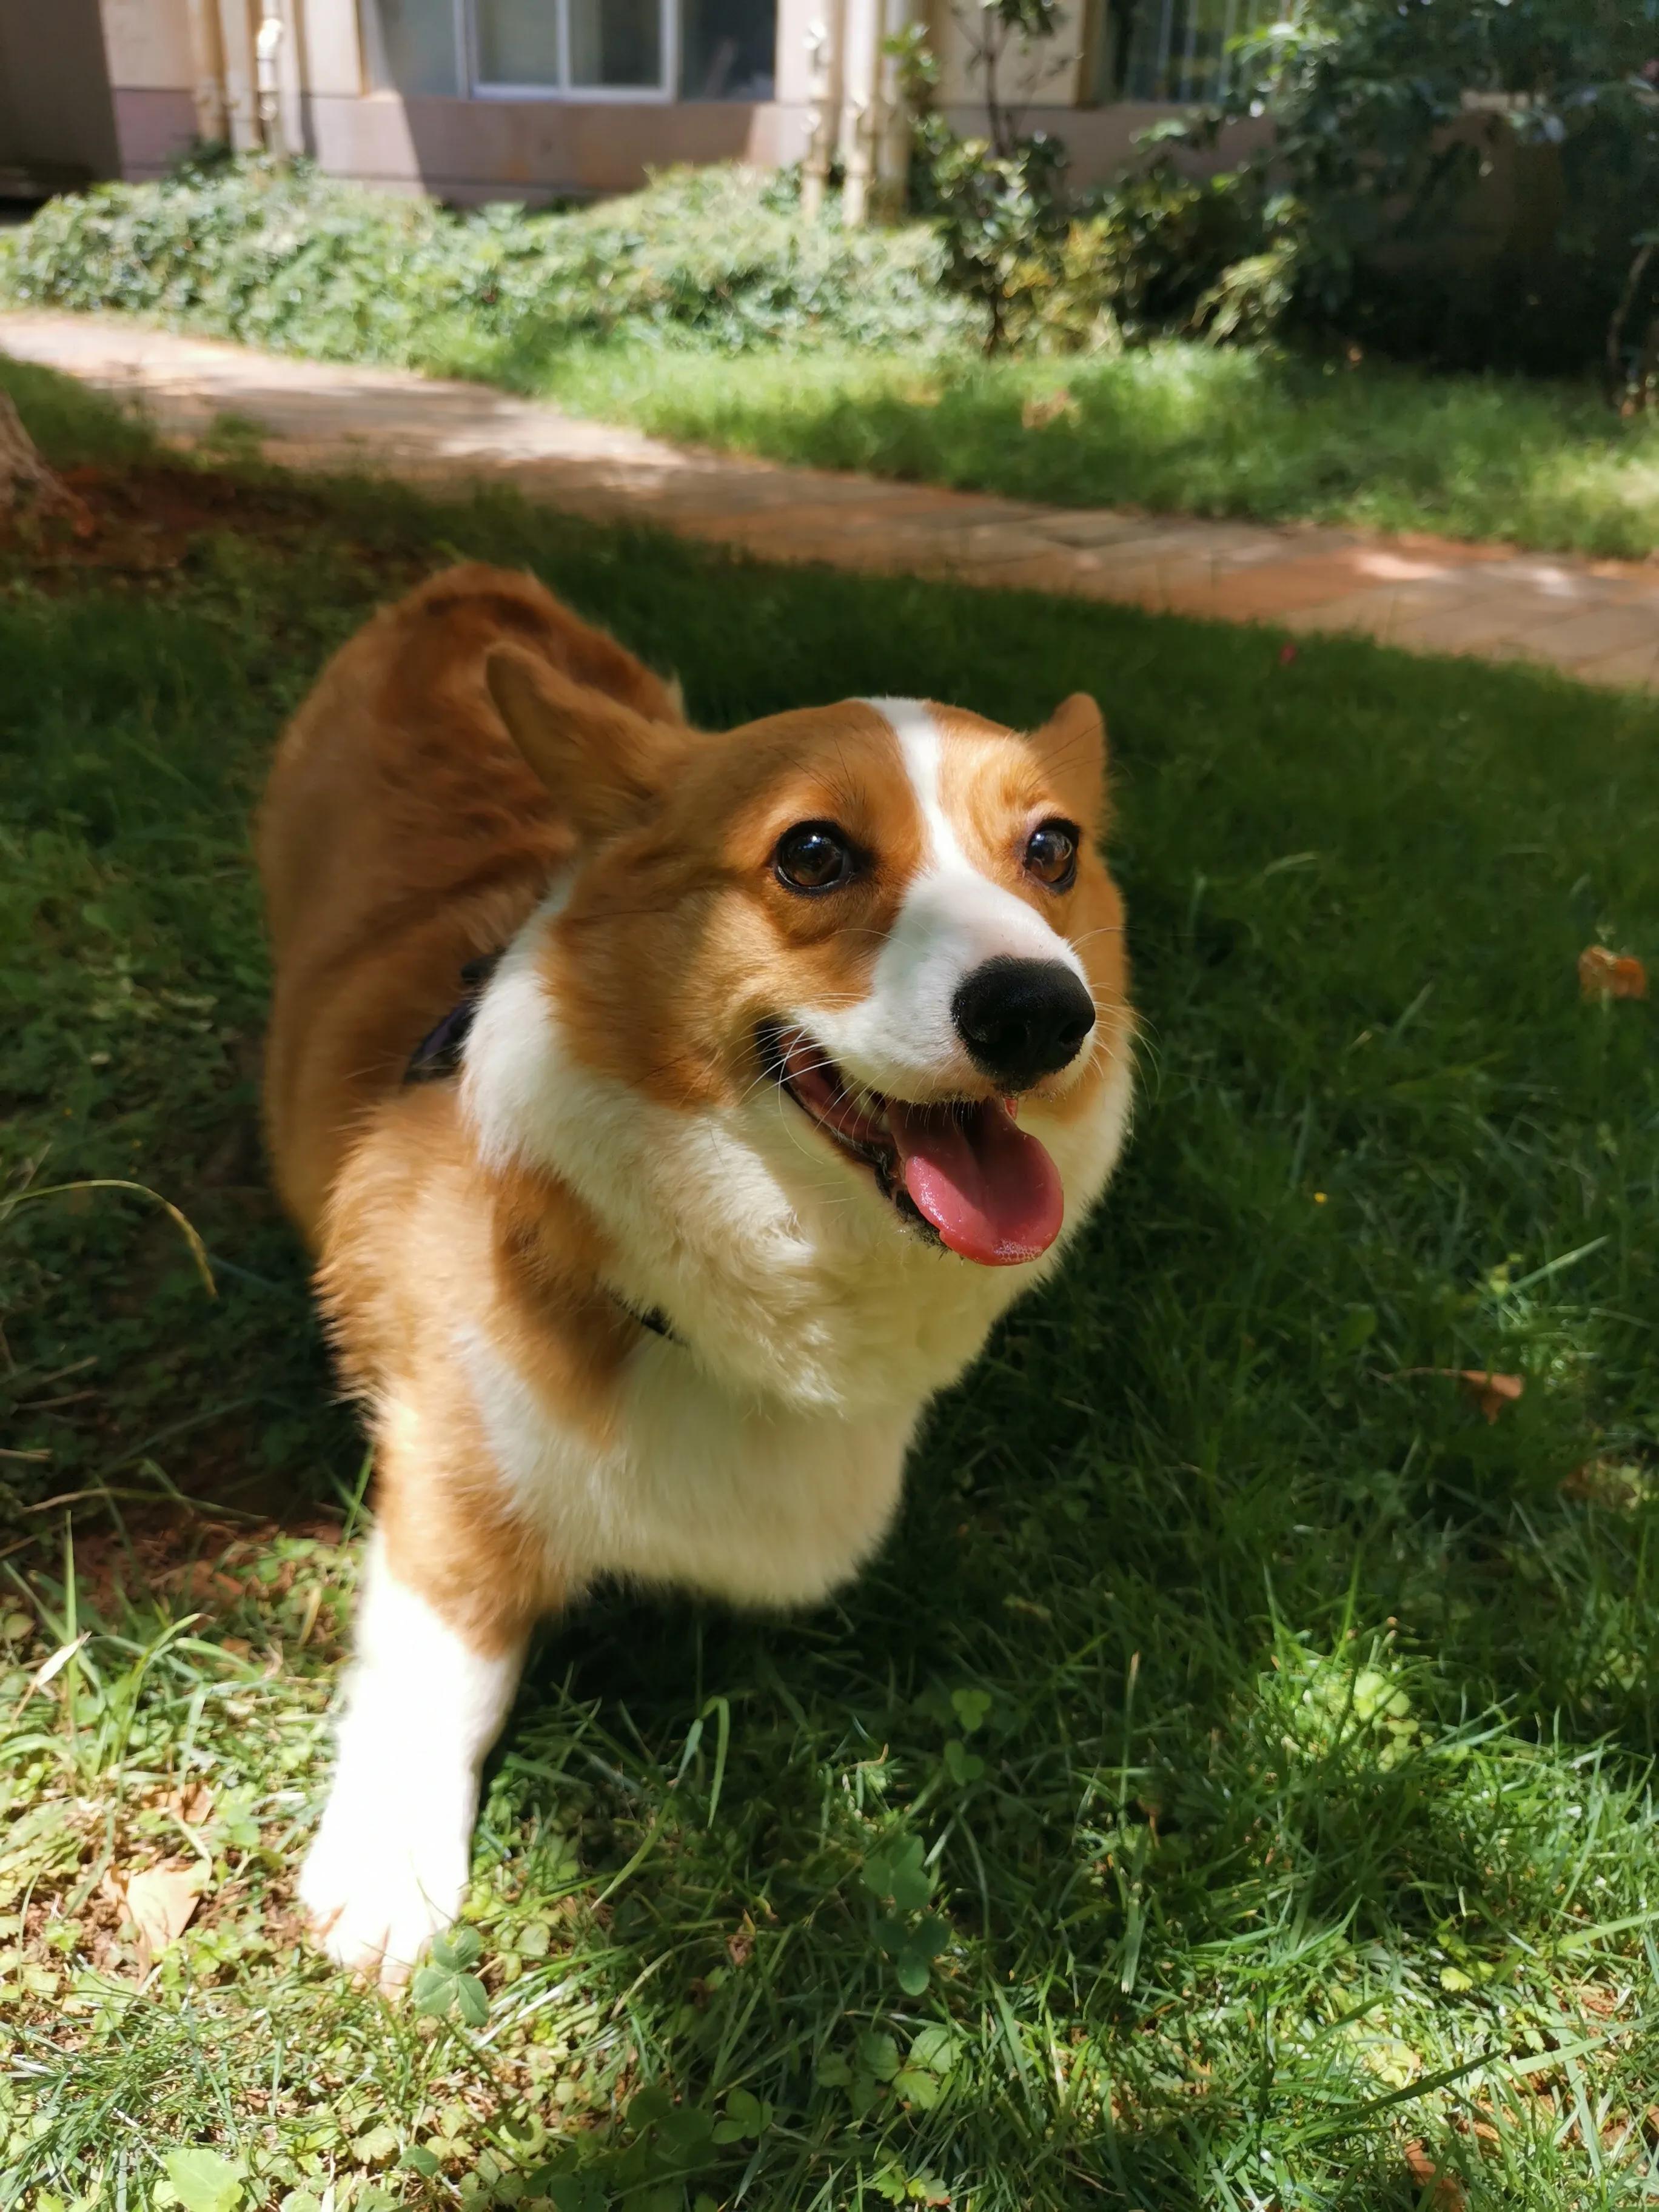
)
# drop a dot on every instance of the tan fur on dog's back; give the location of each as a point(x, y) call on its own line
point(402, 833)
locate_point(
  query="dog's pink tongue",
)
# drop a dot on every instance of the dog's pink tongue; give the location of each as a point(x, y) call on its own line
point(991, 1192)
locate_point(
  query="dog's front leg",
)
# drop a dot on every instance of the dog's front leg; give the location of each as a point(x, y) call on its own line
point(422, 1704)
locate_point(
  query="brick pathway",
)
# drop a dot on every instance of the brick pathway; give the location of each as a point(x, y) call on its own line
point(1597, 620)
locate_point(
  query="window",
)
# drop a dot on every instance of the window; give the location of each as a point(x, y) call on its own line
point(1169, 49)
point(728, 49)
point(618, 42)
point(410, 46)
point(580, 49)
point(516, 42)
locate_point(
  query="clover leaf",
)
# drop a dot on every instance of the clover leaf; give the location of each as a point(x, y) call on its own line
point(446, 1984)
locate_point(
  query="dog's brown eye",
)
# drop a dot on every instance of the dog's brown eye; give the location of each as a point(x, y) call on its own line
point(1051, 854)
point(813, 856)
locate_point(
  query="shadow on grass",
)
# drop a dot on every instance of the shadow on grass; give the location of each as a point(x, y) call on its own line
point(1239, 1735)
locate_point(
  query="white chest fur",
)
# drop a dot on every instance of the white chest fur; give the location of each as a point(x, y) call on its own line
point(742, 1498)
point(760, 1459)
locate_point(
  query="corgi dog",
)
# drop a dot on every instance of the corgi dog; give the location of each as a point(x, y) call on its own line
point(802, 1050)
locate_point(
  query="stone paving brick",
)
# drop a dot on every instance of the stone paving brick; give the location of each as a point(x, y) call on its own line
point(1631, 671)
point(1475, 623)
point(1382, 614)
point(1597, 620)
point(1596, 633)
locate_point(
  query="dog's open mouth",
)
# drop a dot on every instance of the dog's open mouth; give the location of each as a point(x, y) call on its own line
point(990, 1191)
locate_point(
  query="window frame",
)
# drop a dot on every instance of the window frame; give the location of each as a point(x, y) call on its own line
point(661, 94)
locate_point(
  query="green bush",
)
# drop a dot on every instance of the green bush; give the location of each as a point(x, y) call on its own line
point(1385, 119)
point(1153, 254)
point(1386, 116)
point(1344, 226)
point(288, 259)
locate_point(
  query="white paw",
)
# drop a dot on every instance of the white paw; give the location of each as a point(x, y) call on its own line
point(379, 1881)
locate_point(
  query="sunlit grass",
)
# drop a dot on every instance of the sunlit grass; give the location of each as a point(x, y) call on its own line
point(1230, 1785)
point(1176, 428)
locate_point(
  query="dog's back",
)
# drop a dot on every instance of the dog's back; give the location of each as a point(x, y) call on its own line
point(401, 835)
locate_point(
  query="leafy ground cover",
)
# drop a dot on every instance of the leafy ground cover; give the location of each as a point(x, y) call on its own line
point(288, 258)
point(1231, 1786)
point(708, 308)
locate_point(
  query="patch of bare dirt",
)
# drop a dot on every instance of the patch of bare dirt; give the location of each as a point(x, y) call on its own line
point(141, 520)
point(204, 1563)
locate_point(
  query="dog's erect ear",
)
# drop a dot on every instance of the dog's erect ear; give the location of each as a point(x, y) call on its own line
point(1071, 746)
point(600, 760)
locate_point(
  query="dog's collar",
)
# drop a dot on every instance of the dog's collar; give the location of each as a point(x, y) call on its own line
point(439, 1054)
point(651, 1317)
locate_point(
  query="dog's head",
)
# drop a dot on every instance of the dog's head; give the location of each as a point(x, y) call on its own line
point(881, 931)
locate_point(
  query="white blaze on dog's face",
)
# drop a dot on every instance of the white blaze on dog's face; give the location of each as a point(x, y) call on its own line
point(886, 921)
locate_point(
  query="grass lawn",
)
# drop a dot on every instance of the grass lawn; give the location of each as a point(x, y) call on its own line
point(1176, 427)
point(1231, 1786)
point(706, 307)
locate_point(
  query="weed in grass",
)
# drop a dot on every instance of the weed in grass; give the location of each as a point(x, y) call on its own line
point(1230, 1786)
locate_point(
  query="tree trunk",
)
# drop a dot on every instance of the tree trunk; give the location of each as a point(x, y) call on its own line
point(28, 486)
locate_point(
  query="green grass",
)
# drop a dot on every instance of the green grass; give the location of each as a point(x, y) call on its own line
point(1230, 1785)
point(707, 307)
point(1175, 427)
point(77, 427)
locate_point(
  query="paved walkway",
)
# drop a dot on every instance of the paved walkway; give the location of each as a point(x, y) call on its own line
point(1597, 620)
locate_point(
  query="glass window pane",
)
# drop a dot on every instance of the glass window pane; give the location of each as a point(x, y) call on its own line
point(1181, 50)
point(410, 47)
point(728, 49)
point(517, 41)
point(615, 42)
point(1110, 26)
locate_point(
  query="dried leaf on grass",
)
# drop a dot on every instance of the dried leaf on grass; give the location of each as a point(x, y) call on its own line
point(49, 1670)
point(192, 1804)
point(1604, 974)
point(1490, 1391)
point(1445, 2190)
point(160, 1902)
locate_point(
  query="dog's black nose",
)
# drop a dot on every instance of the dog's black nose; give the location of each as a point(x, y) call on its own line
point(1022, 1020)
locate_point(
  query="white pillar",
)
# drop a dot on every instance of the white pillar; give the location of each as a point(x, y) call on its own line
point(861, 104)
point(824, 52)
point(267, 61)
point(207, 63)
point(241, 78)
point(893, 144)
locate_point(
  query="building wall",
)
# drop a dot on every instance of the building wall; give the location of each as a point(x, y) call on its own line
point(152, 78)
point(55, 110)
point(473, 149)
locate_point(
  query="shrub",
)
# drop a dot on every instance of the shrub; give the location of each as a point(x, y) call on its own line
point(1385, 117)
point(1155, 253)
point(995, 201)
point(286, 258)
point(1385, 114)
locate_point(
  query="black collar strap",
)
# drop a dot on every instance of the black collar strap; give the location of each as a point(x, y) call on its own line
point(439, 1052)
point(653, 1318)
